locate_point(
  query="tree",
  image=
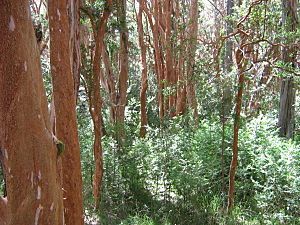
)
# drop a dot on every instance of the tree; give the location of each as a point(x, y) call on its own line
point(64, 93)
point(123, 71)
point(144, 84)
point(289, 54)
point(26, 139)
point(92, 86)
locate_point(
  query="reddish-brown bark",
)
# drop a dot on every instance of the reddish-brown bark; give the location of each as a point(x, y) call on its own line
point(123, 71)
point(96, 104)
point(144, 84)
point(74, 13)
point(157, 51)
point(193, 30)
point(65, 108)
point(170, 75)
point(34, 194)
point(239, 98)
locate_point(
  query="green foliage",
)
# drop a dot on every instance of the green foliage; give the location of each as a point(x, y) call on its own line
point(173, 176)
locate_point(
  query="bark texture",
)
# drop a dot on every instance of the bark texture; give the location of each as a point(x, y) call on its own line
point(61, 59)
point(96, 103)
point(288, 91)
point(34, 194)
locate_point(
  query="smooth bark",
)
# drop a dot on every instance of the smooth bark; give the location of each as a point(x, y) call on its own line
point(34, 194)
point(64, 93)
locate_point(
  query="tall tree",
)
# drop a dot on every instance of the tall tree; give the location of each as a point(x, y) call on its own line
point(240, 62)
point(26, 139)
point(193, 31)
point(123, 70)
point(92, 86)
point(64, 94)
point(289, 54)
point(144, 84)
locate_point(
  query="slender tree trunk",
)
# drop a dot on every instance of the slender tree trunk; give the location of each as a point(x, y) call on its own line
point(96, 104)
point(168, 8)
point(65, 108)
point(26, 139)
point(144, 84)
point(193, 29)
point(239, 99)
point(123, 72)
point(158, 61)
point(74, 13)
point(228, 44)
point(288, 91)
point(110, 78)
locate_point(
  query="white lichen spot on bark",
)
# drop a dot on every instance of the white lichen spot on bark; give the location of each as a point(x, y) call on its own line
point(39, 193)
point(58, 13)
point(11, 24)
point(31, 178)
point(5, 154)
point(25, 66)
point(37, 214)
point(40, 175)
point(52, 206)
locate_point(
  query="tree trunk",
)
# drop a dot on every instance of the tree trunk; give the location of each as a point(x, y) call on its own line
point(239, 98)
point(123, 73)
point(96, 104)
point(144, 84)
point(65, 109)
point(34, 194)
point(75, 54)
point(193, 30)
point(288, 91)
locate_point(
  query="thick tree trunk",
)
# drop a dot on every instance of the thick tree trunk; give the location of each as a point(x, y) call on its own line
point(65, 109)
point(288, 91)
point(34, 194)
point(144, 84)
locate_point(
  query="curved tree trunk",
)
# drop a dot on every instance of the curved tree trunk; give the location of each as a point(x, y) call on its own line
point(240, 62)
point(26, 139)
point(96, 105)
point(65, 109)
